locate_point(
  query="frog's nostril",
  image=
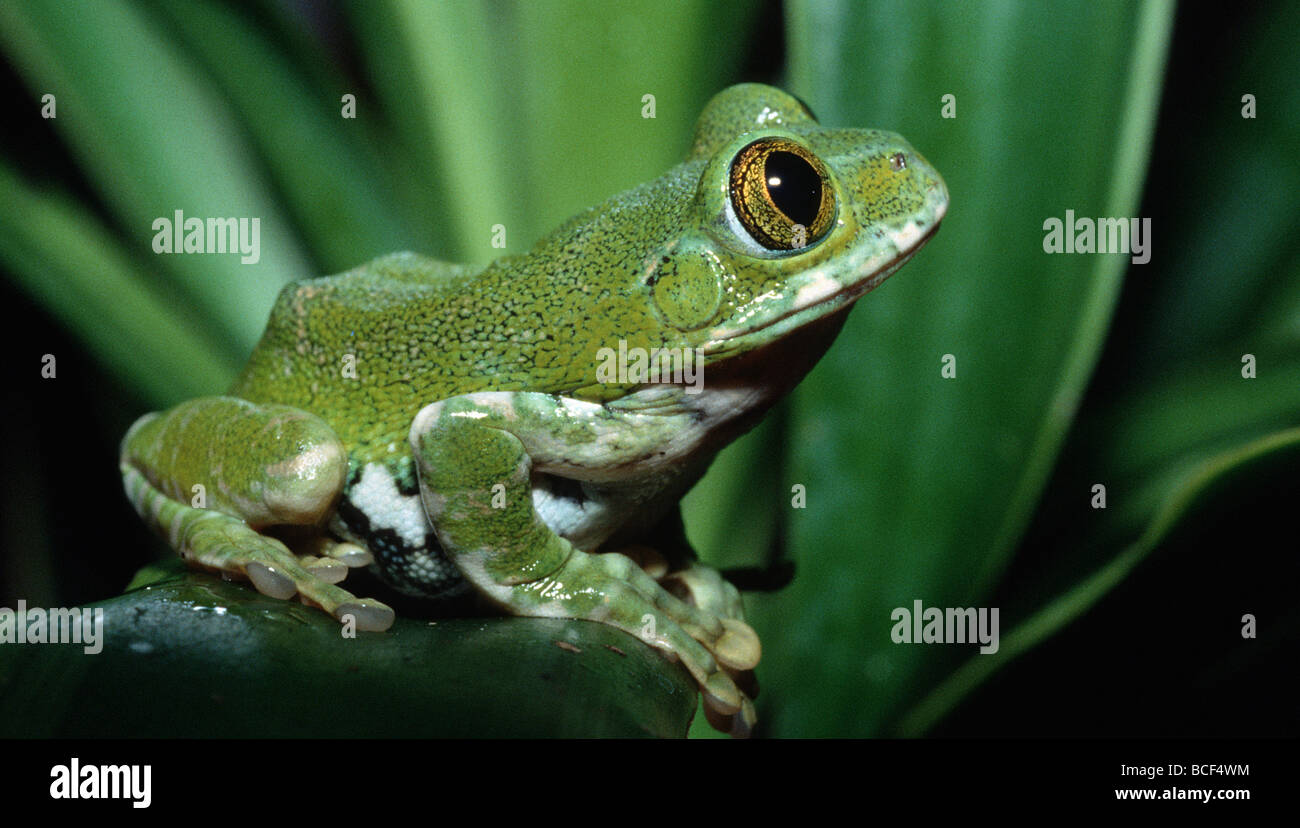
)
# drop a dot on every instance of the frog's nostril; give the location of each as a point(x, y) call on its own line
point(898, 162)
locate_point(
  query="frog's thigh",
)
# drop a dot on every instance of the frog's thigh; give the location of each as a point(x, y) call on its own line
point(208, 471)
point(476, 454)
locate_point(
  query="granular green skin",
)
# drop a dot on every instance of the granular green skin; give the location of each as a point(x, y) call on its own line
point(423, 330)
point(479, 389)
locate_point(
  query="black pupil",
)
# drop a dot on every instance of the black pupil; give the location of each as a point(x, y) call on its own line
point(794, 186)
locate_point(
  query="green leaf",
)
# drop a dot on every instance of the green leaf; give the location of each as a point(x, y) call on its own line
point(1184, 502)
point(920, 487)
point(154, 137)
point(77, 269)
point(1176, 424)
point(325, 165)
point(193, 656)
point(523, 115)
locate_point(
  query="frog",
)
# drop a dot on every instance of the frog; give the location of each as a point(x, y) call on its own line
point(524, 431)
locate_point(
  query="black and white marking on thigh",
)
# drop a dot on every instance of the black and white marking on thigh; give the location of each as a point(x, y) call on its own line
point(384, 513)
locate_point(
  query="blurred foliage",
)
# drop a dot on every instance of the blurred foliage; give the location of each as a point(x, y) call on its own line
point(973, 491)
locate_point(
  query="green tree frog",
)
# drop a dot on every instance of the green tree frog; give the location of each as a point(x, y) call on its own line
point(461, 429)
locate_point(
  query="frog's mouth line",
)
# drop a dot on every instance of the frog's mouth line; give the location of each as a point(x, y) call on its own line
point(798, 317)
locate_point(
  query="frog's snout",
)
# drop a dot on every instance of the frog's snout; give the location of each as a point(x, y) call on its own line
point(937, 195)
point(936, 191)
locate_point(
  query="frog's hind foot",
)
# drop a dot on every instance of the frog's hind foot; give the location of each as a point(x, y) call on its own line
point(325, 550)
point(217, 542)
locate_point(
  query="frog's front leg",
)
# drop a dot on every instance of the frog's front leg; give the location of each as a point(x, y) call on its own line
point(258, 466)
point(668, 556)
point(476, 456)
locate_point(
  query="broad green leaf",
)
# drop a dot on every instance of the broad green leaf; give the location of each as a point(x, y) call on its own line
point(1176, 416)
point(78, 270)
point(918, 486)
point(153, 136)
point(522, 115)
point(326, 165)
point(579, 125)
point(432, 66)
point(198, 657)
point(1194, 490)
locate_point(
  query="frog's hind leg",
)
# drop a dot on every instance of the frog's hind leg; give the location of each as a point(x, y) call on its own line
point(243, 467)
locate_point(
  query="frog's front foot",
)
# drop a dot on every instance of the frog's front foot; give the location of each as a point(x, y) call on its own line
point(704, 587)
point(329, 559)
point(719, 652)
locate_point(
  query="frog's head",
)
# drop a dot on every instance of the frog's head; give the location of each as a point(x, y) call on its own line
point(792, 222)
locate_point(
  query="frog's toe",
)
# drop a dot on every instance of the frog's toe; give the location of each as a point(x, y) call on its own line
point(319, 550)
point(738, 648)
point(349, 554)
point(651, 560)
point(712, 647)
point(692, 646)
point(269, 581)
point(225, 544)
point(704, 587)
point(728, 693)
point(369, 614)
point(329, 570)
point(738, 724)
point(721, 693)
point(717, 686)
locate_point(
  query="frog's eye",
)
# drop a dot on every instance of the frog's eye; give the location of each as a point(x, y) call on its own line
point(781, 194)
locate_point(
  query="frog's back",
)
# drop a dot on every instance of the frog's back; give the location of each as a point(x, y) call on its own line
point(366, 349)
